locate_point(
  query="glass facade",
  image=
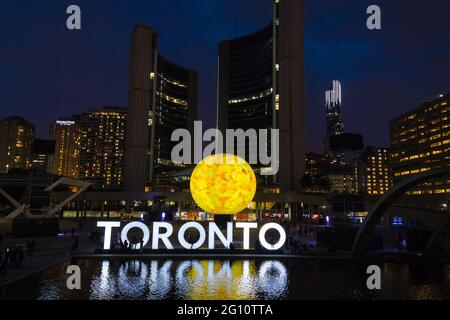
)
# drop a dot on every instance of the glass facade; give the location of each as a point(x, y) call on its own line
point(174, 108)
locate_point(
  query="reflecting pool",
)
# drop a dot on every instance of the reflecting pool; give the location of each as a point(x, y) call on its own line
point(241, 279)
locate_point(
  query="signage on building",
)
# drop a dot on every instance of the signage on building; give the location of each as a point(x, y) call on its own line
point(65, 122)
point(162, 231)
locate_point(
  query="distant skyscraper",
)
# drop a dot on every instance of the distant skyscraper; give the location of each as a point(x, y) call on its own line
point(103, 147)
point(335, 124)
point(261, 87)
point(66, 132)
point(162, 98)
point(16, 140)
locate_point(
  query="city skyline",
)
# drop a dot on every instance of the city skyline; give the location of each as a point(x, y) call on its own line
point(225, 150)
point(385, 50)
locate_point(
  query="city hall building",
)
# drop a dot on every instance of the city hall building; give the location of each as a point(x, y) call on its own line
point(261, 86)
point(162, 97)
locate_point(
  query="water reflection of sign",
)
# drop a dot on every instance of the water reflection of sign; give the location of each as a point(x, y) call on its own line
point(192, 279)
point(162, 231)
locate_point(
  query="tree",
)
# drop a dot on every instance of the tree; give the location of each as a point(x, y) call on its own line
point(306, 181)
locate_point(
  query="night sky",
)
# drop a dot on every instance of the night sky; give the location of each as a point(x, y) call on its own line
point(47, 71)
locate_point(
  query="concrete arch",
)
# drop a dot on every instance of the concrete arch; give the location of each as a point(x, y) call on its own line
point(362, 239)
point(434, 245)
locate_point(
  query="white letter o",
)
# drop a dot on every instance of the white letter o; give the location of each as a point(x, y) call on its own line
point(262, 236)
point(135, 224)
point(182, 231)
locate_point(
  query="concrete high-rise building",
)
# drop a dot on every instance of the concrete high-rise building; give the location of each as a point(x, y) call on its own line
point(16, 140)
point(162, 97)
point(373, 176)
point(66, 132)
point(261, 87)
point(420, 142)
point(334, 122)
point(102, 157)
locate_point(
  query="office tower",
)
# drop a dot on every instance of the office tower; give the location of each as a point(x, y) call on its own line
point(420, 142)
point(317, 165)
point(66, 132)
point(16, 139)
point(334, 122)
point(162, 98)
point(42, 154)
point(341, 181)
point(316, 169)
point(261, 87)
point(372, 171)
point(345, 149)
point(102, 156)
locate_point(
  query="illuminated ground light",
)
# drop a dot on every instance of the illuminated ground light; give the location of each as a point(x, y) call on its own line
point(223, 184)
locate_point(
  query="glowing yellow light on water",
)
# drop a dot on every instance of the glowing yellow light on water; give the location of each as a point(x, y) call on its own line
point(223, 184)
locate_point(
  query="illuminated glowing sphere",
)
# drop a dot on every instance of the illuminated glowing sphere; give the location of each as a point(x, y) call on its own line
point(223, 184)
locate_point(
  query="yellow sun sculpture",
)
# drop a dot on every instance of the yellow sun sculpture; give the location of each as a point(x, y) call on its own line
point(223, 184)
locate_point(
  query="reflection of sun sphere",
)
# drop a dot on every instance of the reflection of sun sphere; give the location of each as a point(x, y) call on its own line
point(223, 184)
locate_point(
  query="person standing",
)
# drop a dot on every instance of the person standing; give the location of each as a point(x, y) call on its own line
point(32, 246)
point(4, 263)
point(400, 241)
point(21, 257)
point(13, 259)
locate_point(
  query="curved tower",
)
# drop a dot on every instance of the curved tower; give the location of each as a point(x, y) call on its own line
point(162, 97)
point(261, 86)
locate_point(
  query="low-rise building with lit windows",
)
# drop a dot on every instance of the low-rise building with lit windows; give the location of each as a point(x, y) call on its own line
point(342, 182)
point(373, 176)
point(420, 142)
